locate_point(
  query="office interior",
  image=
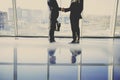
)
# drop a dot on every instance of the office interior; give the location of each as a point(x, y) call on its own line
point(26, 54)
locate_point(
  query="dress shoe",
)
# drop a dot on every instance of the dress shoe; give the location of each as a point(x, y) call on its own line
point(52, 41)
point(74, 42)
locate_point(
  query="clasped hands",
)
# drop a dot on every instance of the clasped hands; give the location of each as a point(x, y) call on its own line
point(63, 9)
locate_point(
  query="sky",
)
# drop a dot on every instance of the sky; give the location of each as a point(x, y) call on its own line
point(98, 7)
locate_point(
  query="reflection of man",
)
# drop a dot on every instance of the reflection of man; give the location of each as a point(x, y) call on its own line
point(75, 9)
point(54, 13)
point(52, 58)
point(75, 53)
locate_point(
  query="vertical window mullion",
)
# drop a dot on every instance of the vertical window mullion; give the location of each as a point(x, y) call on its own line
point(15, 17)
point(113, 25)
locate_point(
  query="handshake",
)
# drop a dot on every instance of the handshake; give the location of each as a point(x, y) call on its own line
point(58, 25)
point(63, 9)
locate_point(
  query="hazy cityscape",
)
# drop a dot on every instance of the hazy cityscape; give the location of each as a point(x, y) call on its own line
point(36, 22)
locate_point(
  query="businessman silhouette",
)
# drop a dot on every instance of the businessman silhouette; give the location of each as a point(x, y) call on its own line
point(75, 9)
point(54, 13)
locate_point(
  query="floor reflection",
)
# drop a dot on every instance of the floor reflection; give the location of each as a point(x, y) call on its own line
point(75, 53)
point(60, 62)
point(73, 56)
point(52, 58)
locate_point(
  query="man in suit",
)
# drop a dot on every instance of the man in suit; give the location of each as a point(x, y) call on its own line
point(54, 13)
point(75, 9)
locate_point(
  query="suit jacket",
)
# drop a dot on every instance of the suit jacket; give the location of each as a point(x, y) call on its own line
point(54, 8)
point(76, 9)
point(53, 5)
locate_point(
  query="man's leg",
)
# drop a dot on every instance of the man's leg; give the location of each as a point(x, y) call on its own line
point(73, 30)
point(77, 29)
point(51, 31)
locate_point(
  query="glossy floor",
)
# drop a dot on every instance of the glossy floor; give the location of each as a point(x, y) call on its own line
point(37, 59)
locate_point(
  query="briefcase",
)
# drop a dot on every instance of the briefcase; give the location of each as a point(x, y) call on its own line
point(58, 25)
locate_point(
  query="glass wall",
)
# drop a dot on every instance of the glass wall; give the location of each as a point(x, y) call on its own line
point(97, 17)
point(32, 18)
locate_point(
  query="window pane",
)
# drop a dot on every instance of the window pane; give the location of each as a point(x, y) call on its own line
point(6, 18)
point(97, 17)
point(33, 16)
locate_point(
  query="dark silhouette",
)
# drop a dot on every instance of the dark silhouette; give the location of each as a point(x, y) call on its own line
point(75, 53)
point(54, 13)
point(75, 9)
point(52, 58)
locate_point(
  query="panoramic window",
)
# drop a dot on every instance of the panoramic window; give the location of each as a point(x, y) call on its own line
point(31, 18)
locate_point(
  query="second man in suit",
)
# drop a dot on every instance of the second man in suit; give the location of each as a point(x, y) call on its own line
point(75, 9)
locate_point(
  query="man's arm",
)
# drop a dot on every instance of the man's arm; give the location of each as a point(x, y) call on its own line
point(68, 9)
